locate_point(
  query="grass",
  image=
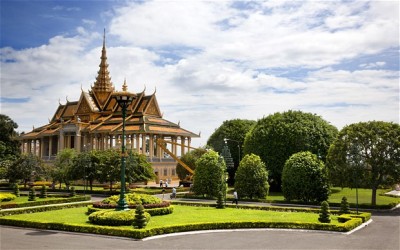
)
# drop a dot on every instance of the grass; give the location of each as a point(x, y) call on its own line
point(364, 196)
point(24, 199)
point(182, 215)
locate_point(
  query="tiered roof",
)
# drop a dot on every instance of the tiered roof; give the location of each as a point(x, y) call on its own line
point(97, 112)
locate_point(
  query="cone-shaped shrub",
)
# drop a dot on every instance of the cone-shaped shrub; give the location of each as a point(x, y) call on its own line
point(344, 206)
point(32, 194)
point(220, 200)
point(324, 215)
point(43, 192)
point(72, 192)
point(16, 190)
point(140, 220)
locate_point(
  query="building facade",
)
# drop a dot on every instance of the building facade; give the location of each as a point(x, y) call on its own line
point(94, 122)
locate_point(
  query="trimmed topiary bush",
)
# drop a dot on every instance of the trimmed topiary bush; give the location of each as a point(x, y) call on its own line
point(251, 179)
point(115, 218)
point(32, 194)
point(43, 192)
point(133, 199)
point(140, 220)
point(344, 206)
point(7, 197)
point(324, 215)
point(220, 200)
point(304, 178)
point(72, 192)
point(16, 190)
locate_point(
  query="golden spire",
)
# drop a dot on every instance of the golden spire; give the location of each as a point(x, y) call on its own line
point(124, 87)
point(103, 80)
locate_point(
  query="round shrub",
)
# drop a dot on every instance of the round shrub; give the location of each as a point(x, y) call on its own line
point(304, 178)
point(251, 179)
point(278, 136)
point(115, 218)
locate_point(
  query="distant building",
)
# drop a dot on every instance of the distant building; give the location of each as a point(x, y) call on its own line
point(95, 122)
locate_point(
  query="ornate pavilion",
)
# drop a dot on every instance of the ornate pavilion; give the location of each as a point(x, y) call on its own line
point(95, 122)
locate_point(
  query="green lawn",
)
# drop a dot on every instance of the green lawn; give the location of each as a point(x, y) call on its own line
point(364, 196)
point(24, 199)
point(181, 215)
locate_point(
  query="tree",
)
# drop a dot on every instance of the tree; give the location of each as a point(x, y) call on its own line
point(138, 168)
point(189, 159)
point(9, 145)
point(276, 137)
point(24, 168)
point(251, 179)
point(366, 152)
point(63, 166)
point(210, 169)
point(304, 178)
point(235, 130)
point(108, 166)
point(84, 167)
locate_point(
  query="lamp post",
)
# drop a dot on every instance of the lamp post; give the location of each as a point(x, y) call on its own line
point(123, 99)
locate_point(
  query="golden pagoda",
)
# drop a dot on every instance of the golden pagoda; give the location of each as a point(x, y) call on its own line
point(94, 122)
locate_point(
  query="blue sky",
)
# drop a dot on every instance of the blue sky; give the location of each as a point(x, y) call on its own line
point(210, 61)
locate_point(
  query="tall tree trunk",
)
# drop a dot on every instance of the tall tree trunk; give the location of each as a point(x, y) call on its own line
point(373, 198)
point(91, 184)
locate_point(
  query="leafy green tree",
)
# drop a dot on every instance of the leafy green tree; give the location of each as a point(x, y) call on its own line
point(63, 166)
point(9, 145)
point(24, 168)
point(235, 130)
point(138, 169)
point(304, 178)
point(108, 166)
point(276, 137)
point(252, 178)
point(210, 171)
point(189, 159)
point(84, 167)
point(366, 152)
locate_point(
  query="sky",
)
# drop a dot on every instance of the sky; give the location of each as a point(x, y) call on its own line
point(208, 61)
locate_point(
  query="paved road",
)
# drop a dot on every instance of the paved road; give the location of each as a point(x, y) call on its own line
point(382, 233)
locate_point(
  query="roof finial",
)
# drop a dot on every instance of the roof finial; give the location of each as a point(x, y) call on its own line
point(104, 38)
point(124, 87)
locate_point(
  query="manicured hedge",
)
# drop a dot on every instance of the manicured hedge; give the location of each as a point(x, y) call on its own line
point(45, 202)
point(43, 208)
point(142, 233)
point(102, 205)
point(114, 218)
point(7, 197)
point(151, 211)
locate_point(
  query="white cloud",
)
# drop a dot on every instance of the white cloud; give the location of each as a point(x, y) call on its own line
point(211, 61)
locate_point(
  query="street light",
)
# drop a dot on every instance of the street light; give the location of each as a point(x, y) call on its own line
point(123, 99)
